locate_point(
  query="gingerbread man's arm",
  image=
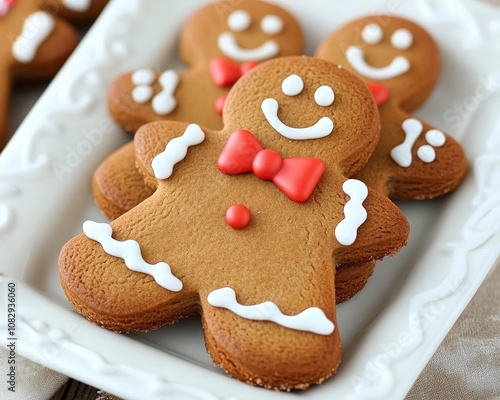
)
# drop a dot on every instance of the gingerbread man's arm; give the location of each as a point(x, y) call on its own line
point(39, 48)
point(49, 56)
point(76, 11)
point(372, 227)
point(169, 142)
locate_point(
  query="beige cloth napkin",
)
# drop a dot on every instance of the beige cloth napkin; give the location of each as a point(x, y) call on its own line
point(467, 364)
point(33, 382)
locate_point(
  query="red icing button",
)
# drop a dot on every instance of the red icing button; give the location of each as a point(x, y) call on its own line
point(379, 91)
point(224, 72)
point(219, 103)
point(266, 164)
point(237, 216)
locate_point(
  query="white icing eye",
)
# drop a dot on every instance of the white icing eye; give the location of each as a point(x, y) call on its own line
point(143, 77)
point(271, 24)
point(239, 20)
point(401, 39)
point(372, 33)
point(435, 137)
point(324, 96)
point(142, 94)
point(292, 85)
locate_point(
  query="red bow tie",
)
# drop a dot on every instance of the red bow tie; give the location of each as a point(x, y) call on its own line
point(225, 72)
point(379, 91)
point(296, 177)
point(5, 5)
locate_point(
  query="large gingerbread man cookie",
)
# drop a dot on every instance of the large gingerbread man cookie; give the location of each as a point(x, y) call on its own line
point(400, 63)
point(246, 225)
point(34, 43)
point(218, 44)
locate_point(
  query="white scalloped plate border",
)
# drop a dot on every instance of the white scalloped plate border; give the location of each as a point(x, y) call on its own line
point(37, 171)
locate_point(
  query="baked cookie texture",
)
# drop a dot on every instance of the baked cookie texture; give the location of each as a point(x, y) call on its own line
point(400, 62)
point(75, 11)
point(35, 41)
point(294, 129)
point(218, 43)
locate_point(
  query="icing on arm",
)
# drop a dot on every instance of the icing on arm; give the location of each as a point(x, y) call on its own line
point(354, 212)
point(130, 251)
point(176, 150)
point(401, 154)
point(77, 5)
point(36, 28)
point(313, 319)
point(164, 102)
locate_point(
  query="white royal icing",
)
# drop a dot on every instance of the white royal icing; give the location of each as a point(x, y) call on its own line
point(372, 33)
point(176, 150)
point(142, 94)
point(239, 20)
point(36, 28)
point(271, 24)
point(412, 128)
point(426, 153)
point(143, 76)
point(77, 5)
point(356, 57)
point(402, 39)
point(324, 96)
point(323, 127)
point(292, 85)
point(164, 102)
point(401, 154)
point(435, 137)
point(354, 212)
point(230, 48)
point(130, 252)
point(313, 319)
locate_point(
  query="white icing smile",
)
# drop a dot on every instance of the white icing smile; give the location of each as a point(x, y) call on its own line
point(230, 48)
point(240, 21)
point(292, 86)
point(356, 57)
point(372, 34)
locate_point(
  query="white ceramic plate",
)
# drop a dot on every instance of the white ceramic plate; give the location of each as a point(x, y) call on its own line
point(389, 331)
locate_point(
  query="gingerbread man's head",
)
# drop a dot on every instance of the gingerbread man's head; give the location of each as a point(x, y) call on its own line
point(246, 225)
point(219, 43)
point(399, 62)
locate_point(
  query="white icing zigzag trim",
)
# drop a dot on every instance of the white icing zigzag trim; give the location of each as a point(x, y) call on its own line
point(130, 251)
point(176, 150)
point(355, 214)
point(313, 319)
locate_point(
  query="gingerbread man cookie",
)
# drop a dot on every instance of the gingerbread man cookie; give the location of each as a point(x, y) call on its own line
point(246, 225)
point(76, 11)
point(400, 63)
point(34, 43)
point(219, 42)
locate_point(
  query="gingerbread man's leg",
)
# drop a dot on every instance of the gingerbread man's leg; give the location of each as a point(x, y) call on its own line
point(287, 339)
